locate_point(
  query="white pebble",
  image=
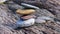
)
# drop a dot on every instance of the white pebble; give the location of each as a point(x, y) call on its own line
point(26, 23)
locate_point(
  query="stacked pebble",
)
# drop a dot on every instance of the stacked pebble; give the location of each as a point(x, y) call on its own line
point(26, 20)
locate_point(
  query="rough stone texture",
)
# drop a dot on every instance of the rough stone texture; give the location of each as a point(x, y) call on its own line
point(8, 19)
point(5, 30)
point(6, 16)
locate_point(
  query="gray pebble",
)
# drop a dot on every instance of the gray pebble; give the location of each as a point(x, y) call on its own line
point(40, 21)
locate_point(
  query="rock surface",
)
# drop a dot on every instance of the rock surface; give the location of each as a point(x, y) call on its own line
point(8, 19)
point(5, 30)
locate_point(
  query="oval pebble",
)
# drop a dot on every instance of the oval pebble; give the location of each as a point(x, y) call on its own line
point(40, 21)
point(25, 12)
point(25, 23)
point(45, 18)
point(28, 17)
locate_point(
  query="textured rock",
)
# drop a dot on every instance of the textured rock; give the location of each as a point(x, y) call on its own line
point(8, 19)
point(6, 16)
point(5, 30)
point(44, 12)
point(13, 6)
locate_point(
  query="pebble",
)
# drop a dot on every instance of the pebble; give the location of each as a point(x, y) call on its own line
point(25, 12)
point(29, 6)
point(28, 16)
point(40, 21)
point(26, 23)
point(45, 18)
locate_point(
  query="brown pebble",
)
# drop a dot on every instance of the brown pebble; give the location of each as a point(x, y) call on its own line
point(25, 12)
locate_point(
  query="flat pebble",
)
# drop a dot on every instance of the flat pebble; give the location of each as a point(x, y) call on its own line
point(45, 18)
point(28, 16)
point(40, 21)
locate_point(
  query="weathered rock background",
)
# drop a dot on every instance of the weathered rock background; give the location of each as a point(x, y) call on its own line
point(49, 8)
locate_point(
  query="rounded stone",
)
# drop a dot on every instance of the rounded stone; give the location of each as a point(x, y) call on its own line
point(25, 12)
point(25, 23)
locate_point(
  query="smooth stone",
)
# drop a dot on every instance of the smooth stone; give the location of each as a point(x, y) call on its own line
point(25, 12)
point(29, 6)
point(40, 21)
point(45, 18)
point(28, 16)
point(26, 23)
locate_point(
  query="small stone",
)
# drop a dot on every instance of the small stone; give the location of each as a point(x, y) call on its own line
point(28, 16)
point(57, 22)
point(29, 6)
point(45, 18)
point(40, 21)
point(25, 23)
point(25, 12)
